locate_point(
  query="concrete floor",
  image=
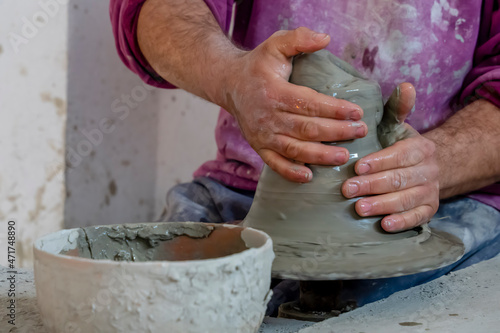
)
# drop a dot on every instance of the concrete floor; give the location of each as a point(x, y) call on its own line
point(466, 301)
point(462, 302)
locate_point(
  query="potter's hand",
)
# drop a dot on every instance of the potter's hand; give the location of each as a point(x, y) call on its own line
point(403, 178)
point(283, 122)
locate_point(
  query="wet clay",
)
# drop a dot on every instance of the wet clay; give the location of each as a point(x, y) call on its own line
point(390, 130)
point(223, 294)
point(316, 232)
point(146, 242)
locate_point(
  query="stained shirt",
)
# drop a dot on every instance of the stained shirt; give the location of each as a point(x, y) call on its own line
point(448, 49)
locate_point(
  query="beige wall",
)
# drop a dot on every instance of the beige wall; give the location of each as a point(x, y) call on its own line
point(33, 102)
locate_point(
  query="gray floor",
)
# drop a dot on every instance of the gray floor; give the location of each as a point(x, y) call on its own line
point(467, 301)
point(462, 302)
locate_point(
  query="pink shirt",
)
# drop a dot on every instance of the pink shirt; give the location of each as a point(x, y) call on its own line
point(448, 49)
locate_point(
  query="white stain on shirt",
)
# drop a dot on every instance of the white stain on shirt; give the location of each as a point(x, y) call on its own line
point(414, 71)
point(437, 13)
point(457, 28)
point(429, 89)
point(398, 46)
point(460, 74)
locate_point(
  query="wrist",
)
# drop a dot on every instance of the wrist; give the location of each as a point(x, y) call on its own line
point(463, 146)
point(439, 138)
point(223, 74)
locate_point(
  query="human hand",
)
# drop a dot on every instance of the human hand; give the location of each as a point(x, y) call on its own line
point(285, 123)
point(400, 181)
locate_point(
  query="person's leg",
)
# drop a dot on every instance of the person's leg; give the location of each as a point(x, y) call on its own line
point(476, 224)
point(206, 200)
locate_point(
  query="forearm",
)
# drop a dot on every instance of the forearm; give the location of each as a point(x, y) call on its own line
point(468, 149)
point(183, 42)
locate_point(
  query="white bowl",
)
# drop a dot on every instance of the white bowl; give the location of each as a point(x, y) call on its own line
point(223, 294)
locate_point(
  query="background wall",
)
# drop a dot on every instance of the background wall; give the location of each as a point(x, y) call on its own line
point(33, 83)
point(111, 129)
point(186, 126)
point(83, 141)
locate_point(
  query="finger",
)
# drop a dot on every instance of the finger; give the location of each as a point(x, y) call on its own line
point(292, 171)
point(322, 129)
point(293, 42)
point(408, 220)
point(397, 202)
point(307, 102)
point(402, 154)
point(388, 181)
point(309, 152)
point(392, 127)
point(401, 102)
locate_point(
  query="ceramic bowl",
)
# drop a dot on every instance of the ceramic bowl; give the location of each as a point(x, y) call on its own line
point(215, 283)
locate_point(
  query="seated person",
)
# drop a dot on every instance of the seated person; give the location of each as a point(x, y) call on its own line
point(238, 55)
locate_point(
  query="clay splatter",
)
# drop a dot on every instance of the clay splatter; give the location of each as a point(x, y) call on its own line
point(35, 213)
point(58, 102)
point(112, 187)
point(409, 323)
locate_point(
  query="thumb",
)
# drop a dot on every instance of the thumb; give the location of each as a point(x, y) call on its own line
point(401, 102)
point(292, 42)
point(397, 108)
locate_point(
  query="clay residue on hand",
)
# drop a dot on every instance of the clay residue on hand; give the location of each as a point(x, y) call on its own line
point(390, 130)
point(164, 241)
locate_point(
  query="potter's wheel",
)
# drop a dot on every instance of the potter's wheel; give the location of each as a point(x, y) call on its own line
point(316, 232)
point(417, 251)
point(318, 237)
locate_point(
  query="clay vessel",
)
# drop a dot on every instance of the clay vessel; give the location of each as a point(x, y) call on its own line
point(316, 232)
point(186, 277)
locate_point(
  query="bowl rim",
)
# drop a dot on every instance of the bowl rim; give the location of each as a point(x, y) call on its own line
point(63, 258)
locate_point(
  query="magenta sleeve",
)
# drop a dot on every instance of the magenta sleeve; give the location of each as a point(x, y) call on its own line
point(124, 15)
point(483, 81)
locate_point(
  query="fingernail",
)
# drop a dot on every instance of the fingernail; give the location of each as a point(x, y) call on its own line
point(389, 225)
point(319, 37)
point(352, 189)
point(363, 168)
point(355, 115)
point(341, 157)
point(365, 207)
point(361, 131)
